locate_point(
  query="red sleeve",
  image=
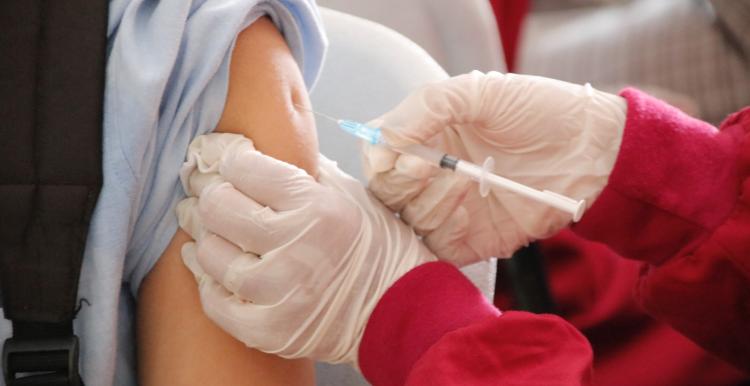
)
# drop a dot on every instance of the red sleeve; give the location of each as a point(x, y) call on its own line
point(433, 327)
point(678, 199)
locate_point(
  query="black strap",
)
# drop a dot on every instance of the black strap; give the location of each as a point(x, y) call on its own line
point(51, 92)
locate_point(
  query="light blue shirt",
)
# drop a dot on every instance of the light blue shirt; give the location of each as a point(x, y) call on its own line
point(167, 79)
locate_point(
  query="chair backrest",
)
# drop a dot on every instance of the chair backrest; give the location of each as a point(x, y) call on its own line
point(368, 70)
point(460, 35)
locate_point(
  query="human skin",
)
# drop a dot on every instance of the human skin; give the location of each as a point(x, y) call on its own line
point(177, 343)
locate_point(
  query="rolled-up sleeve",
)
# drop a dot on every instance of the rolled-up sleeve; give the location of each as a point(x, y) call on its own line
point(167, 81)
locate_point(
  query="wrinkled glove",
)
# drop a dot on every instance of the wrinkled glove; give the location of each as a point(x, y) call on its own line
point(286, 264)
point(544, 133)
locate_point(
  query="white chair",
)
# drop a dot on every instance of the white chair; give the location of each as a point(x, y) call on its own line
point(368, 70)
point(461, 35)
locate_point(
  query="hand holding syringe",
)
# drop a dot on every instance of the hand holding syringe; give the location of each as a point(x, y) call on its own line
point(481, 174)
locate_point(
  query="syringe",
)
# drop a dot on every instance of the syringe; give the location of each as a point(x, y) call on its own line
point(481, 174)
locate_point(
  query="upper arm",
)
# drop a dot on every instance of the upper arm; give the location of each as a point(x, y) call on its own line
point(265, 85)
point(177, 343)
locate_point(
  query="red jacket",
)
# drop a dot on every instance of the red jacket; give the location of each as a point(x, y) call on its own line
point(592, 288)
point(678, 200)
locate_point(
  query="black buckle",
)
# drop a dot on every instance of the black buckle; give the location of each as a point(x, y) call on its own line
point(51, 361)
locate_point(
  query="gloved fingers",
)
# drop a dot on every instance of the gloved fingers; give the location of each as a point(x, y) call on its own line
point(204, 154)
point(430, 208)
point(225, 263)
point(188, 217)
point(274, 329)
point(266, 180)
point(377, 159)
point(189, 253)
point(229, 213)
point(198, 181)
point(224, 269)
point(397, 186)
point(247, 322)
point(449, 241)
point(218, 261)
point(427, 111)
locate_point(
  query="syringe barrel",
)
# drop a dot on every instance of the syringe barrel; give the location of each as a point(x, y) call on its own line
point(486, 178)
point(476, 173)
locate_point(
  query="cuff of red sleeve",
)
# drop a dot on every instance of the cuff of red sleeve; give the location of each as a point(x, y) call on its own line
point(419, 308)
point(675, 178)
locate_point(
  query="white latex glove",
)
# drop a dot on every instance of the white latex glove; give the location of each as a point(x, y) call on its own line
point(286, 264)
point(543, 133)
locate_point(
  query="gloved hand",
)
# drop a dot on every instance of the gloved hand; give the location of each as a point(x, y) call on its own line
point(286, 264)
point(543, 133)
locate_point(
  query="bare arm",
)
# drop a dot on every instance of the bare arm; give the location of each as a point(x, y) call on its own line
point(177, 343)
